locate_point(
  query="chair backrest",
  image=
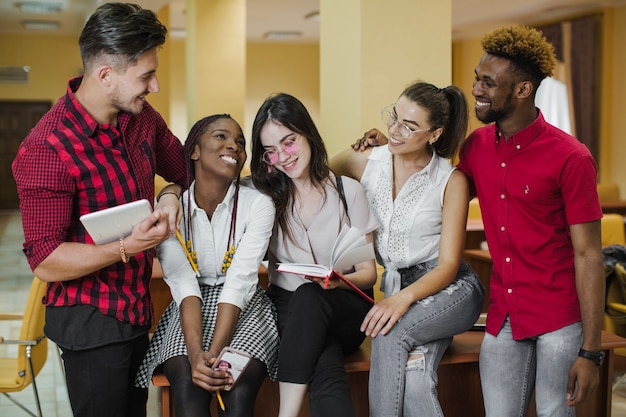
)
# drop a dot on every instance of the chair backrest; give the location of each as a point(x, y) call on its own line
point(608, 191)
point(612, 225)
point(32, 329)
point(474, 209)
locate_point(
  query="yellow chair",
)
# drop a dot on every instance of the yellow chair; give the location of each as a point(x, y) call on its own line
point(473, 211)
point(612, 229)
point(16, 373)
point(608, 191)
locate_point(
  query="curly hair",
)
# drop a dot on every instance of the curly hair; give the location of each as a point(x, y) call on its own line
point(526, 47)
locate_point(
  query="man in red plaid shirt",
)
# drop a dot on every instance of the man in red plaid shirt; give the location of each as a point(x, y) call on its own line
point(98, 147)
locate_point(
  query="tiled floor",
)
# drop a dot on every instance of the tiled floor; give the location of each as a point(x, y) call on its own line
point(15, 278)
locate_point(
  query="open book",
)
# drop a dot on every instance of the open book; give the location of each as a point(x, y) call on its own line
point(350, 248)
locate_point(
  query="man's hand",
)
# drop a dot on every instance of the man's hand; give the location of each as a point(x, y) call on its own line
point(148, 234)
point(372, 137)
point(583, 380)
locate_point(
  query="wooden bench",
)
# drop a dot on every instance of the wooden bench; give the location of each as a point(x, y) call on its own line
point(459, 388)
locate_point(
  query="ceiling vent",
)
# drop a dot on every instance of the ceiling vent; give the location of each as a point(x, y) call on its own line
point(14, 75)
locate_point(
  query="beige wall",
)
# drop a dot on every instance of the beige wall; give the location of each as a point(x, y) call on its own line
point(53, 60)
point(273, 68)
point(295, 69)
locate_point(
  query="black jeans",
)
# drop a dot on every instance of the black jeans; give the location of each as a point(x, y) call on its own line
point(100, 381)
point(317, 328)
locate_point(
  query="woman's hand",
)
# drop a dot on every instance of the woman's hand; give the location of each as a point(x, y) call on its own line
point(385, 314)
point(326, 283)
point(205, 377)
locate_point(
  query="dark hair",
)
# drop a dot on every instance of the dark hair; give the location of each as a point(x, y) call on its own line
point(447, 109)
point(291, 113)
point(122, 31)
point(198, 129)
point(528, 50)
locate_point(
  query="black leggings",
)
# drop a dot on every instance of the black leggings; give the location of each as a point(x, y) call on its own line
point(192, 401)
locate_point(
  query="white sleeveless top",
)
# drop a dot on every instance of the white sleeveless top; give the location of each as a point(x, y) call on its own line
point(411, 225)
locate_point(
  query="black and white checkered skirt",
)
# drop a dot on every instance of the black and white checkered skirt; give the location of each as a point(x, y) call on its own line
point(256, 333)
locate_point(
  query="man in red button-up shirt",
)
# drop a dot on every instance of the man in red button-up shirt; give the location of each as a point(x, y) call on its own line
point(537, 191)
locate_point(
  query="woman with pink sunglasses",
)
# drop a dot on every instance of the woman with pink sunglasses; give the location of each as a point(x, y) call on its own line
point(318, 319)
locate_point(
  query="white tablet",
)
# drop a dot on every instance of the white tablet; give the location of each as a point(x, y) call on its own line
point(111, 224)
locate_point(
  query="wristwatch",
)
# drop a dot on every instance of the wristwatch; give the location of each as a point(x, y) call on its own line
point(595, 357)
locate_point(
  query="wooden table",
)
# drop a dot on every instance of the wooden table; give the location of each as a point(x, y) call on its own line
point(475, 234)
point(616, 206)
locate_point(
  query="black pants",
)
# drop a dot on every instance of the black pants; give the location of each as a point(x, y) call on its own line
point(318, 327)
point(100, 381)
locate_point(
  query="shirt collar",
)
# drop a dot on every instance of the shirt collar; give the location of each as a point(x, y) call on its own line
point(90, 124)
point(430, 170)
point(75, 108)
point(226, 204)
point(522, 138)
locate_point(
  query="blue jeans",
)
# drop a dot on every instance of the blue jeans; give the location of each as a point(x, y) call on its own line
point(511, 369)
point(398, 387)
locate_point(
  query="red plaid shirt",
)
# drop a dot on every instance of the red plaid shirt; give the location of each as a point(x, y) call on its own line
point(69, 166)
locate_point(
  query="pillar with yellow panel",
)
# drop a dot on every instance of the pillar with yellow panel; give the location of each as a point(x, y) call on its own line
point(216, 58)
point(370, 51)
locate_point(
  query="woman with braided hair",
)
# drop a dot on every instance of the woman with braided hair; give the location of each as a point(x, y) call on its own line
point(213, 278)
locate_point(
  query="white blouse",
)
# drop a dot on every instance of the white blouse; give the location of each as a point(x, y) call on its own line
point(255, 219)
point(411, 224)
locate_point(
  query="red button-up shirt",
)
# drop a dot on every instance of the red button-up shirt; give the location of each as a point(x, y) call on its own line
point(531, 188)
point(68, 166)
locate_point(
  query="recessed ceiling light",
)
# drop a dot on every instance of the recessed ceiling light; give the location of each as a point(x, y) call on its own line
point(39, 7)
point(282, 34)
point(41, 24)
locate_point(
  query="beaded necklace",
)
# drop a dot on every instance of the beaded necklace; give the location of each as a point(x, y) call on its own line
point(230, 247)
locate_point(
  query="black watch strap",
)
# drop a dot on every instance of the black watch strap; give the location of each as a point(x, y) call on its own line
point(595, 357)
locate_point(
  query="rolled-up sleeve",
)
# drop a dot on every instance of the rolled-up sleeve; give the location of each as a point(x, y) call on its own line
point(243, 275)
point(177, 271)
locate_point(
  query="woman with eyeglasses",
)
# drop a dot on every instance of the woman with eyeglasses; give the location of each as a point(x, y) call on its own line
point(211, 268)
point(421, 201)
point(318, 320)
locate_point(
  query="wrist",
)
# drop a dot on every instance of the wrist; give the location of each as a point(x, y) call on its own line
point(596, 357)
point(166, 193)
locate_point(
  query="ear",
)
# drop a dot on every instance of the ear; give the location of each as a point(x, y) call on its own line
point(524, 89)
point(195, 155)
point(435, 137)
point(104, 73)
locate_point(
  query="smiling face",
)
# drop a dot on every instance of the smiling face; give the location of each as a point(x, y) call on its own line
point(493, 89)
point(130, 87)
point(295, 165)
point(220, 151)
point(416, 118)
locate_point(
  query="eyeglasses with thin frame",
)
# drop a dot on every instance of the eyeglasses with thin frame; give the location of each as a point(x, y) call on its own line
point(389, 116)
point(271, 156)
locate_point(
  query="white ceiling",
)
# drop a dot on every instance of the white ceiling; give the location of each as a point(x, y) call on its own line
point(470, 18)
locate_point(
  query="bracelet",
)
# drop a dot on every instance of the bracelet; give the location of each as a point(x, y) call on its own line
point(123, 251)
point(165, 193)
